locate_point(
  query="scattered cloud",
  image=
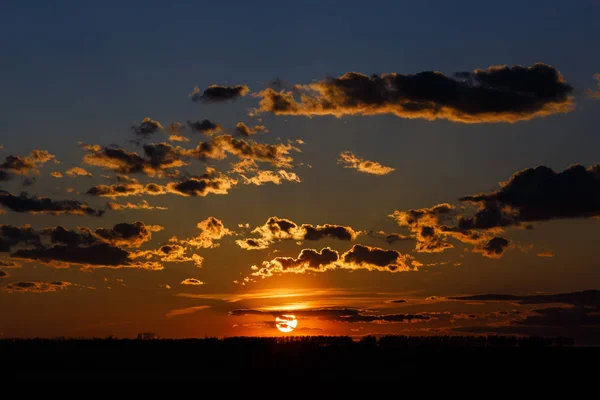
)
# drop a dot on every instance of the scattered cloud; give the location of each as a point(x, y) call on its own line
point(211, 229)
point(192, 281)
point(218, 93)
point(537, 194)
point(205, 126)
point(56, 174)
point(77, 171)
point(148, 127)
point(276, 229)
point(368, 167)
point(244, 130)
point(36, 287)
point(495, 94)
point(27, 165)
point(359, 257)
point(141, 205)
point(211, 182)
point(25, 203)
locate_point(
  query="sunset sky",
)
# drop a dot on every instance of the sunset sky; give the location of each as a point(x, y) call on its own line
point(201, 168)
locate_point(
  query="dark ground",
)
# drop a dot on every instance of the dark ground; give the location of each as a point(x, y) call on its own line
point(295, 358)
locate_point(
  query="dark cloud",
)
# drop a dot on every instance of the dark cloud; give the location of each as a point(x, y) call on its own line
point(219, 146)
point(26, 165)
point(389, 238)
point(45, 205)
point(283, 229)
point(373, 258)
point(92, 256)
point(205, 126)
point(586, 298)
point(493, 248)
point(359, 257)
point(11, 236)
point(538, 194)
point(128, 234)
point(36, 287)
point(148, 127)
point(244, 130)
point(432, 227)
point(210, 182)
point(218, 93)
point(349, 315)
point(496, 94)
point(3, 274)
point(158, 158)
point(127, 189)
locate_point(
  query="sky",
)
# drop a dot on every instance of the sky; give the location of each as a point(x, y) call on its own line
point(202, 168)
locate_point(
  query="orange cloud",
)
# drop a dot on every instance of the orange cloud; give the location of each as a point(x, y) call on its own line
point(185, 311)
point(495, 94)
point(368, 167)
point(192, 282)
point(77, 171)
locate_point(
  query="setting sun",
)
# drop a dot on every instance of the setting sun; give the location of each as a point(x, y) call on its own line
point(286, 323)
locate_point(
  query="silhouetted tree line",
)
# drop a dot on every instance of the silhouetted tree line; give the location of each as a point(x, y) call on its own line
point(285, 357)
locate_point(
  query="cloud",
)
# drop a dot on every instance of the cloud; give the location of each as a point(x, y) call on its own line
point(389, 238)
point(369, 167)
point(211, 229)
point(87, 248)
point(219, 146)
point(28, 181)
point(56, 174)
point(170, 253)
point(253, 244)
point(128, 234)
point(192, 281)
point(244, 130)
point(359, 257)
point(547, 254)
point(127, 189)
point(6, 263)
point(349, 315)
point(158, 157)
point(218, 93)
point(493, 248)
point(432, 227)
point(205, 126)
point(141, 205)
point(36, 287)
point(3, 274)
point(537, 194)
point(77, 171)
point(45, 205)
point(185, 311)
point(148, 127)
point(178, 138)
point(595, 94)
point(97, 255)
point(283, 229)
point(586, 298)
point(376, 259)
point(29, 164)
point(495, 94)
point(210, 182)
point(263, 176)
